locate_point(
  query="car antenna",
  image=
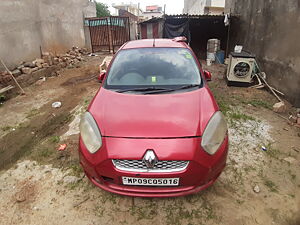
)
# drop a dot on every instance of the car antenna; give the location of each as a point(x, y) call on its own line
point(153, 42)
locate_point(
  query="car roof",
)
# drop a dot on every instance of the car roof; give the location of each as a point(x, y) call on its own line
point(152, 43)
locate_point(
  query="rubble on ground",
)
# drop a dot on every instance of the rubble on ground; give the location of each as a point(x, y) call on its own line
point(68, 59)
point(294, 119)
point(289, 159)
point(71, 179)
point(256, 189)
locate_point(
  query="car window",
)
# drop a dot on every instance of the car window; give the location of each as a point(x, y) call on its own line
point(153, 67)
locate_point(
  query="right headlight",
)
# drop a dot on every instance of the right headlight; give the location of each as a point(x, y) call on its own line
point(214, 133)
point(90, 133)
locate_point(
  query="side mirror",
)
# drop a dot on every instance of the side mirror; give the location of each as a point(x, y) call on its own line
point(101, 76)
point(207, 75)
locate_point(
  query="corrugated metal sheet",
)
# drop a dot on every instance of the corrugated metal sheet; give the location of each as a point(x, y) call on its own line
point(152, 30)
point(181, 16)
point(103, 22)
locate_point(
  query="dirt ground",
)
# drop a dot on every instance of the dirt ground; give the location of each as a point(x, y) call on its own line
point(40, 185)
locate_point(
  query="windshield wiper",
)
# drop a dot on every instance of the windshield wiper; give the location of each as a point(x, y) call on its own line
point(144, 89)
point(175, 89)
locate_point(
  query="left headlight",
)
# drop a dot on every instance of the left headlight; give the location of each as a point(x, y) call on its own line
point(90, 133)
point(214, 133)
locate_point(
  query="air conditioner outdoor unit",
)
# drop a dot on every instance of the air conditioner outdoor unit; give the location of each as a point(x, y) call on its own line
point(240, 67)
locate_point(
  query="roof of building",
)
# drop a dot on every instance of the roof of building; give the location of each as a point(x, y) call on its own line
point(182, 16)
point(196, 16)
point(159, 43)
point(152, 20)
point(152, 12)
point(214, 7)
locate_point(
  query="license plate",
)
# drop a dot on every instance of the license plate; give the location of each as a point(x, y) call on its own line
point(150, 181)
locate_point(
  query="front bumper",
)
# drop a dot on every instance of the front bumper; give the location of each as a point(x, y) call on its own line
point(202, 171)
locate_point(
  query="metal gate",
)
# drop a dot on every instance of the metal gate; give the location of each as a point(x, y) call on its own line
point(108, 33)
point(99, 34)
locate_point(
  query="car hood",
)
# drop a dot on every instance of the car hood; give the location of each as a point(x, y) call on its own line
point(172, 115)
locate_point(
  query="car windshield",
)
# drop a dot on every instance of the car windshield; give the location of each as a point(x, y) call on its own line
point(153, 68)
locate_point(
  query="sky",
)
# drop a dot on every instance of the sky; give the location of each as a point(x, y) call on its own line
point(172, 6)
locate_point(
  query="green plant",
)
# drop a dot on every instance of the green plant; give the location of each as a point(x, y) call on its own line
point(224, 106)
point(240, 116)
point(102, 9)
point(2, 98)
point(6, 128)
point(272, 152)
point(271, 185)
point(32, 113)
point(54, 139)
point(257, 102)
point(292, 195)
point(76, 169)
point(45, 152)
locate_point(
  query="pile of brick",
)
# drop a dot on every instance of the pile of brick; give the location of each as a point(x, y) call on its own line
point(69, 59)
point(295, 119)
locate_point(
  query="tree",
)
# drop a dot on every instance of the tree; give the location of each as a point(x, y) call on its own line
point(102, 9)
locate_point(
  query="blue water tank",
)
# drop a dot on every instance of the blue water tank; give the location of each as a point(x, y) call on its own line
point(220, 55)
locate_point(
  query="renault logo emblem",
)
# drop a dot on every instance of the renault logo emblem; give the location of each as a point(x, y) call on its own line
point(150, 159)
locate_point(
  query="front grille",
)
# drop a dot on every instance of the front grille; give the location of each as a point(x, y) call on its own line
point(140, 166)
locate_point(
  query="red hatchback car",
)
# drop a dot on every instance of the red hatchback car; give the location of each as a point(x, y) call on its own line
point(153, 129)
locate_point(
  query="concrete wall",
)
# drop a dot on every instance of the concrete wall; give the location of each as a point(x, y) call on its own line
point(26, 26)
point(218, 3)
point(149, 15)
point(194, 6)
point(197, 6)
point(214, 10)
point(270, 29)
point(90, 10)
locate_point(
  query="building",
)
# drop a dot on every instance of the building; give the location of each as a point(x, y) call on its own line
point(152, 12)
point(133, 23)
point(50, 26)
point(213, 10)
point(90, 9)
point(134, 13)
point(198, 29)
point(131, 8)
point(204, 7)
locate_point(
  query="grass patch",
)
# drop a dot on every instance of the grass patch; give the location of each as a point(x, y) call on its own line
point(254, 102)
point(2, 98)
point(86, 104)
point(76, 169)
point(73, 186)
point(271, 185)
point(147, 211)
point(108, 197)
point(32, 113)
point(54, 139)
point(202, 211)
point(23, 125)
point(6, 128)
point(240, 116)
point(45, 153)
point(260, 103)
point(272, 152)
point(99, 210)
point(292, 195)
point(224, 106)
point(293, 176)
